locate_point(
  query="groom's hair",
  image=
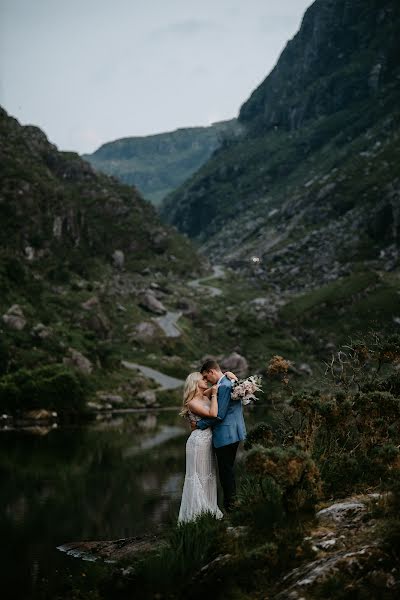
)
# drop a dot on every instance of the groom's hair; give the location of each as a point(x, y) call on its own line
point(209, 365)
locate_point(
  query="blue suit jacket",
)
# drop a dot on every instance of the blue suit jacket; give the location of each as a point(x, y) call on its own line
point(228, 426)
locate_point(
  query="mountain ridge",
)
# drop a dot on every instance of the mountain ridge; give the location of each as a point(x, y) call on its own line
point(158, 163)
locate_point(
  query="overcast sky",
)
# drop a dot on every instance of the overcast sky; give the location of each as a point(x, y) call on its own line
point(91, 71)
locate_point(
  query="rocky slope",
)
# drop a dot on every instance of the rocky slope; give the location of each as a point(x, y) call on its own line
point(310, 191)
point(86, 266)
point(158, 164)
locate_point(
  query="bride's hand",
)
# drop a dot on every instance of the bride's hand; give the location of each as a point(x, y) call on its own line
point(231, 375)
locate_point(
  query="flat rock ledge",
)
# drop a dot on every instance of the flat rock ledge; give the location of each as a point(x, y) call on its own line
point(112, 550)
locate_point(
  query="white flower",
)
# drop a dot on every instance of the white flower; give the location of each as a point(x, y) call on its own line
point(245, 389)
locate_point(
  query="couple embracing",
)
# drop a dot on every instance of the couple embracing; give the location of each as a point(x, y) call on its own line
point(217, 428)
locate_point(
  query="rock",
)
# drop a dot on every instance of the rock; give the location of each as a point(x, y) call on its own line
point(114, 550)
point(188, 308)
point(41, 331)
point(150, 303)
point(300, 369)
point(341, 511)
point(148, 397)
point(29, 253)
point(40, 414)
point(94, 405)
point(99, 323)
point(159, 240)
point(110, 398)
point(236, 363)
point(14, 318)
point(144, 331)
point(90, 303)
point(118, 259)
point(77, 360)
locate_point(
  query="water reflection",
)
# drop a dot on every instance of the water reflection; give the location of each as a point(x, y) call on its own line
point(114, 478)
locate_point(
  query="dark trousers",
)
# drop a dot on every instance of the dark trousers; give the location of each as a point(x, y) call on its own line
point(226, 458)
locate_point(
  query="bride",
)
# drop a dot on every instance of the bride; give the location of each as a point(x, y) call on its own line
point(200, 487)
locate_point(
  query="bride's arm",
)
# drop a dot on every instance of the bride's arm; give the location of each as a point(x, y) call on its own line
point(210, 391)
point(198, 408)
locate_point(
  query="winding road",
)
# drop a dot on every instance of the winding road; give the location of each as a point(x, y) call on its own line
point(218, 273)
point(165, 381)
point(168, 323)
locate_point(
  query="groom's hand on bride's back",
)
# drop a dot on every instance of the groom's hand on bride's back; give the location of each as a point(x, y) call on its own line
point(192, 425)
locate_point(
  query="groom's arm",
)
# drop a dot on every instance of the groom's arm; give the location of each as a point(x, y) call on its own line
point(224, 396)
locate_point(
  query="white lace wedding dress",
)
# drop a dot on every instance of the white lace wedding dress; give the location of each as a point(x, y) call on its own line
point(200, 487)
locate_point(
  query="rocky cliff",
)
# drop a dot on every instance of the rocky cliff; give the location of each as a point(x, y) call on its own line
point(158, 164)
point(311, 188)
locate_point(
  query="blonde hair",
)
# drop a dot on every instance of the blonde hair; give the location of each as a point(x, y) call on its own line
point(189, 391)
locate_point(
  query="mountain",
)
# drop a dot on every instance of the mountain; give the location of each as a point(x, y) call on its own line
point(309, 192)
point(158, 164)
point(84, 263)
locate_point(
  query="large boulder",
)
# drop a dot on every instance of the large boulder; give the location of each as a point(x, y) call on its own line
point(150, 303)
point(14, 318)
point(118, 258)
point(145, 331)
point(110, 398)
point(236, 363)
point(90, 303)
point(147, 397)
point(41, 331)
point(77, 360)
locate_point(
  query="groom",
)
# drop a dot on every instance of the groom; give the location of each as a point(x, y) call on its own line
point(228, 429)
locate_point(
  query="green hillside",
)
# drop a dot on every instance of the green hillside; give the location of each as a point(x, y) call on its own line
point(83, 259)
point(158, 164)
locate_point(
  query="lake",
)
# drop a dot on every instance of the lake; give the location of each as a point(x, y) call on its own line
point(110, 479)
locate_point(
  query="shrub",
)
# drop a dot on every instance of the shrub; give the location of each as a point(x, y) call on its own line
point(54, 387)
point(293, 471)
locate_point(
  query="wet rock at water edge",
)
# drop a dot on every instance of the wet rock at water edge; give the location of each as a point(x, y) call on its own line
point(148, 398)
point(110, 398)
point(150, 303)
point(113, 550)
point(40, 414)
point(14, 318)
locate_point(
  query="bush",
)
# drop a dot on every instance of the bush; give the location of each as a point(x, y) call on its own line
point(293, 471)
point(54, 387)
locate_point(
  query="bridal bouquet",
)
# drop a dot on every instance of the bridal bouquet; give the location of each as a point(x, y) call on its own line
point(245, 389)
